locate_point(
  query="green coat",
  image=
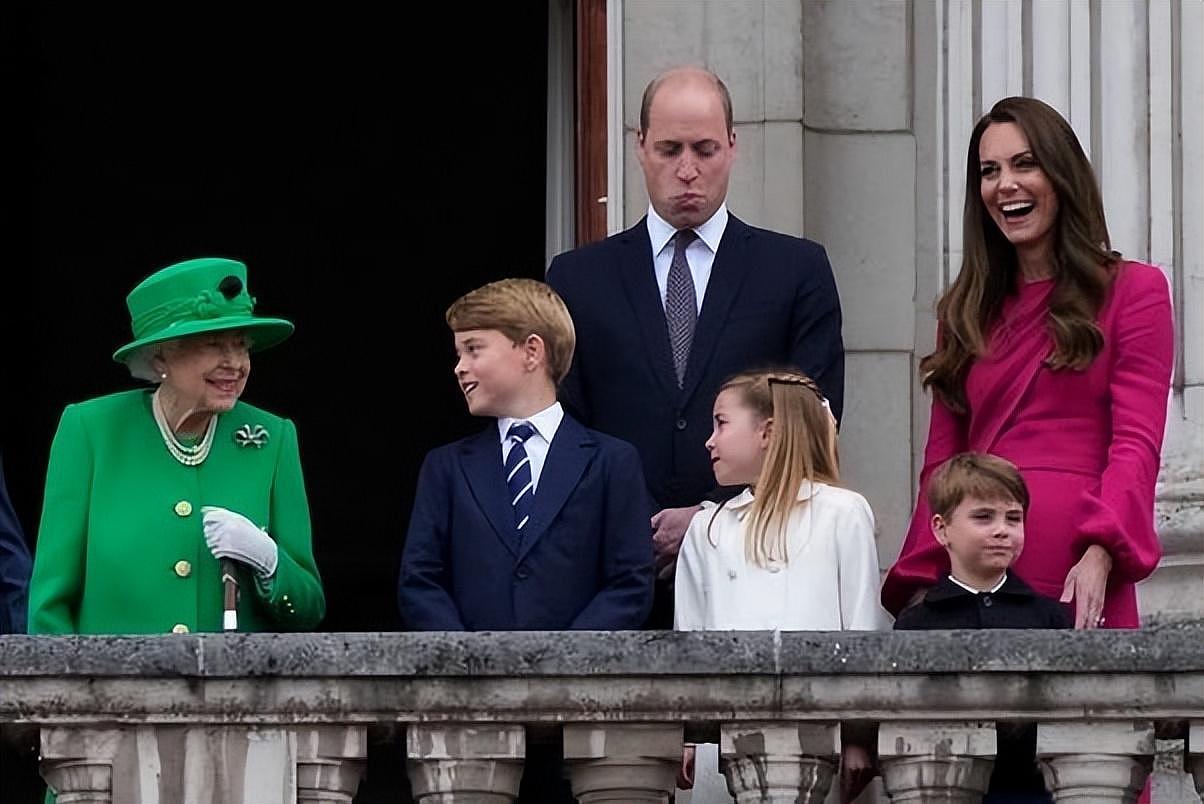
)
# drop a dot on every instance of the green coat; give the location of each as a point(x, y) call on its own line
point(121, 548)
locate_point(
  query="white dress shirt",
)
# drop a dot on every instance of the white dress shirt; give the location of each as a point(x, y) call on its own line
point(546, 422)
point(974, 591)
point(700, 254)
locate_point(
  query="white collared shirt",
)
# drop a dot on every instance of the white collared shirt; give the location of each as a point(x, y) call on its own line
point(974, 591)
point(700, 254)
point(546, 423)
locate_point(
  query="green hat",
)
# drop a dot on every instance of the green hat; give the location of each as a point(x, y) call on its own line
point(203, 295)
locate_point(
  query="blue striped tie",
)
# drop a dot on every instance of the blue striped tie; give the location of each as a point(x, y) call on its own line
point(518, 474)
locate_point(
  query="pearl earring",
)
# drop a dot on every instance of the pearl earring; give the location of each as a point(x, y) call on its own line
point(163, 376)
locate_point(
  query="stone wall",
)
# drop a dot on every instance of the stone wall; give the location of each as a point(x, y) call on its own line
point(276, 719)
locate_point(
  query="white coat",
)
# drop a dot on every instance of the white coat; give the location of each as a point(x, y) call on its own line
point(829, 583)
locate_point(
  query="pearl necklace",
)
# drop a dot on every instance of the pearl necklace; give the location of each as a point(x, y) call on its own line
point(187, 455)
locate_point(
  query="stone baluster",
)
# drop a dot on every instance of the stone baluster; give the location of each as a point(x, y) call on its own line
point(1194, 755)
point(623, 762)
point(458, 763)
point(1096, 762)
point(330, 762)
point(779, 762)
point(937, 761)
point(77, 763)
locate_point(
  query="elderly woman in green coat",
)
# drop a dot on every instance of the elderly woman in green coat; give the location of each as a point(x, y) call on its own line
point(150, 492)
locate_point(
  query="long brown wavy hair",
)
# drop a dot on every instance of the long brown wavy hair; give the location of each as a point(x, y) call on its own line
point(1083, 258)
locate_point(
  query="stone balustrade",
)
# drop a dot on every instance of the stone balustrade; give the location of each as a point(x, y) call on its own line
point(284, 718)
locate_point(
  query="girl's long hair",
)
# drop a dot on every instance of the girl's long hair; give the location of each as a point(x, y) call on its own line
point(802, 447)
point(1083, 259)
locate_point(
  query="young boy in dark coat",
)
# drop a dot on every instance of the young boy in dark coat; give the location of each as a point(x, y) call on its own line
point(978, 503)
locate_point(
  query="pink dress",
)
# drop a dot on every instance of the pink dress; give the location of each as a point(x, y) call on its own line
point(1087, 442)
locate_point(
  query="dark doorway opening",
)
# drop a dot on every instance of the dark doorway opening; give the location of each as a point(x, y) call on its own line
point(364, 184)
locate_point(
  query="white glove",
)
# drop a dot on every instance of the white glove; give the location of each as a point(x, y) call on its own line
point(231, 535)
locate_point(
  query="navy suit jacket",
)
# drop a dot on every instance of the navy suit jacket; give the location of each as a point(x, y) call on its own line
point(771, 299)
point(585, 558)
point(15, 566)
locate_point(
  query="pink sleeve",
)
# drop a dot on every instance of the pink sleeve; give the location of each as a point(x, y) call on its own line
point(1118, 513)
point(921, 560)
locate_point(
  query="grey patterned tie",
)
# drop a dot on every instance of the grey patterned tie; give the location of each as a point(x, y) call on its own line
point(681, 303)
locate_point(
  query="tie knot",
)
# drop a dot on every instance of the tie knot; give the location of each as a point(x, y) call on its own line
point(683, 238)
point(520, 431)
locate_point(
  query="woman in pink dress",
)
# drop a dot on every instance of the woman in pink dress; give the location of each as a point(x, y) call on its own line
point(1055, 353)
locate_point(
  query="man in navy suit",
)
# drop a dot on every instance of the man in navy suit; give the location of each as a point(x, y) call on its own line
point(14, 566)
point(690, 295)
point(536, 523)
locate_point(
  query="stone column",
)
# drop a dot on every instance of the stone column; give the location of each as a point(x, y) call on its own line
point(330, 762)
point(1095, 762)
point(937, 761)
point(77, 763)
point(623, 762)
point(779, 762)
point(858, 166)
point(1194, 759)
point(465, 763)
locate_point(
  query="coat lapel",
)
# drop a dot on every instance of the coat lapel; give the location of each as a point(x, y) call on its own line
point(727, 274)
point(571, 451)
point(639, 283)
point(482, 463)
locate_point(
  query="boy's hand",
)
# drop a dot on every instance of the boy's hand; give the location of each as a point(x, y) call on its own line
point(1085, 585)
point(685, 774)
point(856, 771)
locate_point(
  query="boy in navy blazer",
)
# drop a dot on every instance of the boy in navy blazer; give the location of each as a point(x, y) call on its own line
point(536, 523)
point(979, 502)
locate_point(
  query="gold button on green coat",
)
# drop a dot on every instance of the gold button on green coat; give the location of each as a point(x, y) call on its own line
point(183, 568)
point(110, 517)
point(183, 508)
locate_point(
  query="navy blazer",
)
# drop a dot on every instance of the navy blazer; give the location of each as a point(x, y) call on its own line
point(1015, 605)
point(771, 299)
point(15, 566)
point(585, 559)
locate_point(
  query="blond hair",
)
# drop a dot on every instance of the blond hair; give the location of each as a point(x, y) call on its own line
point(974, 474)
point(518, 308)
point(802, 447)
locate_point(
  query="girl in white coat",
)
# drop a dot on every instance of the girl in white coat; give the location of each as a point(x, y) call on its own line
point(793, 551)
